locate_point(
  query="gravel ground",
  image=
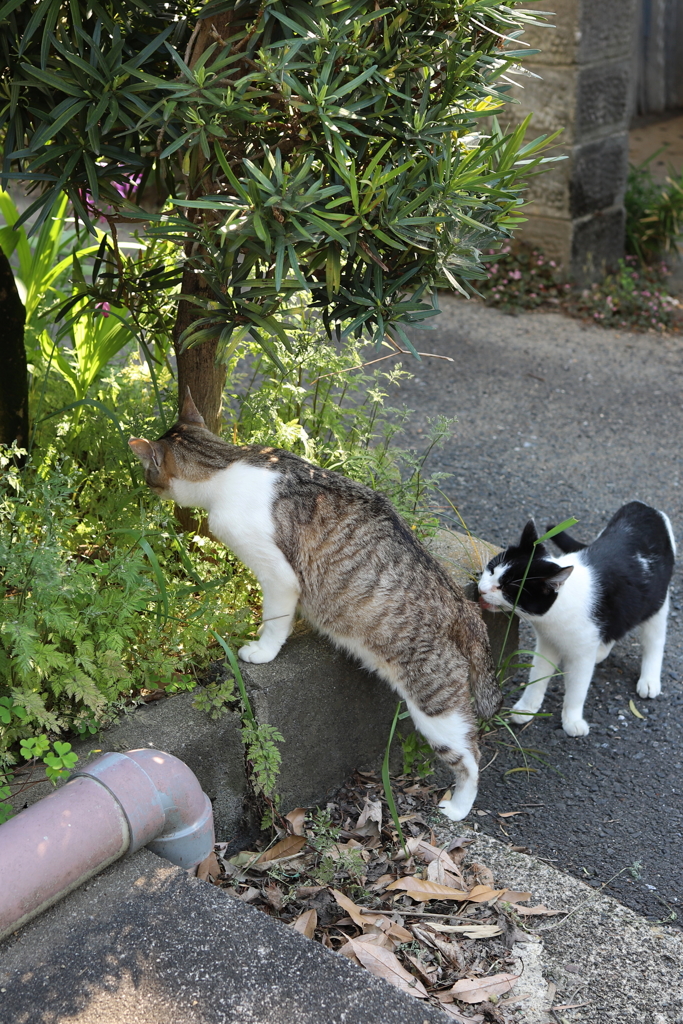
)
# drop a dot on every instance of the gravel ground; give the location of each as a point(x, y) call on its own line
point(557, 418)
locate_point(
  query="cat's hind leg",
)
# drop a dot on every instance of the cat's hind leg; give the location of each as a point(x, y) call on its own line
point(544, 665)
point(280, 597)
point(453, 736)
point(653, 638)
point(603, 650)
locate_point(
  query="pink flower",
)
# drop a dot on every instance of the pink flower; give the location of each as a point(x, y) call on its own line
point(553, 263)
point(103, 308)
point(515, 275)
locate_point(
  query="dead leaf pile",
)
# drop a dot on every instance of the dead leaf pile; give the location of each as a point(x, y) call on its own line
point(421, 917)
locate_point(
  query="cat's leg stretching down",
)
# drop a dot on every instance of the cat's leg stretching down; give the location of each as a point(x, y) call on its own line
point(453, 736)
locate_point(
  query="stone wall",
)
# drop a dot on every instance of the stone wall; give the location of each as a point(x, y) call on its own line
point(585, 86)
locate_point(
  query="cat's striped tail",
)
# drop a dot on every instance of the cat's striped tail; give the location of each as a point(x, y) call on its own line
point(484, 685)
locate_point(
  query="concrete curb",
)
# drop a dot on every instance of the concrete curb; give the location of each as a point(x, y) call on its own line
point(627, 970)
point(145, 944)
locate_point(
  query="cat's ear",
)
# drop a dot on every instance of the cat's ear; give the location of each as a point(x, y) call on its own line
point(529, 536)
point(189, 412)
point(556, 581)
point(148, 452)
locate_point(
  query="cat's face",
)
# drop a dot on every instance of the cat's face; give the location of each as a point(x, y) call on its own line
point(501, 580)
point(154, 458)
point(166, 461)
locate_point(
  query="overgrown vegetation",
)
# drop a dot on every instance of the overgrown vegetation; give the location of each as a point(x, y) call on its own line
point(520, 276)
point(654, 213)
point(318, 171)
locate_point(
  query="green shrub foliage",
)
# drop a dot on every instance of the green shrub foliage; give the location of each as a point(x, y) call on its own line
point(339, 147)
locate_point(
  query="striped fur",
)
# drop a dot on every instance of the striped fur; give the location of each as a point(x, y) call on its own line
point(357, 572)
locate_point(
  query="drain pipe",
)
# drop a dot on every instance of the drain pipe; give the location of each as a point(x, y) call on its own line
point(116, 805)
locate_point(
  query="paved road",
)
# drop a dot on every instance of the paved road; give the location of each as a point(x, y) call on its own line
point(556, 418)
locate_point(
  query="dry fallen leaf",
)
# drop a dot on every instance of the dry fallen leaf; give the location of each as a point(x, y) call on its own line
point(296, 819)
point(477, 990)
point(370, 820)
point(384, 964)
point(306, 923)
point(209, 868)
point(287, 847)
point(470, 931)
point(249, 894)
point(509, 814)
point(354, 911)
point(516, 897)
point(422, 890)
point(635, 711)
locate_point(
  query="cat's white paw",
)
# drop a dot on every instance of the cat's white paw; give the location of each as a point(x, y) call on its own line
point(575, 726)
point(521, 715)
point(257, 652)
point(456, 809)
point(649, 687)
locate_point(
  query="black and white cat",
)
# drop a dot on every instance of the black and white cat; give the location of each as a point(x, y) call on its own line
point(582, 602)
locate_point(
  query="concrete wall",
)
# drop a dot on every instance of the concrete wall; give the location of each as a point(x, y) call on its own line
point(585, 86)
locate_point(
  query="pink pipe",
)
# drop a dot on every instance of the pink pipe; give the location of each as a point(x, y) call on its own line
point(117, 804)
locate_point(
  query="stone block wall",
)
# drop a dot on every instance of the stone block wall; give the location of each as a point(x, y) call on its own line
point(585, 86)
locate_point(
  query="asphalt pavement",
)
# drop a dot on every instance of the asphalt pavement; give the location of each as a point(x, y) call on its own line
point(557, 418)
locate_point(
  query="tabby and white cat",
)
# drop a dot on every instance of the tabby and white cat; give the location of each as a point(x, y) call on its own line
point(337, 549)
point(581, 603)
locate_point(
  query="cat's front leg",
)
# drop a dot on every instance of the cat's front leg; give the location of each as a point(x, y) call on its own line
point(544, 665)
point(280, 597)
point(577, 678)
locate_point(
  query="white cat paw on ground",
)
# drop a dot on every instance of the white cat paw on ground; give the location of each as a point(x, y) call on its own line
point(257, 653)
point(649, 687)
point(575, 726)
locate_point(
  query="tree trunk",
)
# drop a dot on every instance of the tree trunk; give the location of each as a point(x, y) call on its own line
point(14, 421)
point(197, 366)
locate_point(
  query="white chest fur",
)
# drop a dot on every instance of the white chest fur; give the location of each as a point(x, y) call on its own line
point(239, 501)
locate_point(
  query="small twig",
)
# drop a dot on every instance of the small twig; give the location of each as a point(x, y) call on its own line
point(490, 762)
point(190, 44)
point(361, 366)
